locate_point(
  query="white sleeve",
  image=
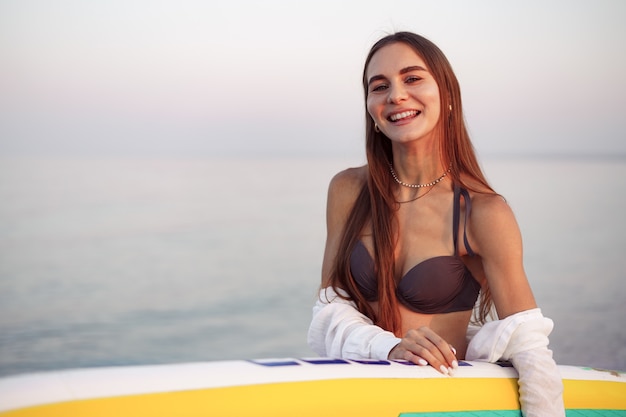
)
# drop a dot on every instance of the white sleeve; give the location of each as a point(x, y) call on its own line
point(339, 330)
point(523, 339)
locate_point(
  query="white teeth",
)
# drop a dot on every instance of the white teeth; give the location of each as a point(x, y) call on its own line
point(398, 116)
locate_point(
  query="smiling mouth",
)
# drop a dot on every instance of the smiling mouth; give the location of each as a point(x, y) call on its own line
point(409, 114)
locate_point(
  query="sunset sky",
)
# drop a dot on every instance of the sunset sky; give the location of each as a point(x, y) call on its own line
point(192, 77)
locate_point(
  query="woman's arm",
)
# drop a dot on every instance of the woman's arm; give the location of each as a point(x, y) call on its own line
point(343, 191)
point(521, 333)
point(339, 330)
point(495, 237)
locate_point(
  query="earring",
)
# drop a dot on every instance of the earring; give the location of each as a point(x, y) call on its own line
point(376, 128)
point(450, 107)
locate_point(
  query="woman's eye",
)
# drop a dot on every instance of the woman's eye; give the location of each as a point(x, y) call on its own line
point(379, 87)
point(412, 79)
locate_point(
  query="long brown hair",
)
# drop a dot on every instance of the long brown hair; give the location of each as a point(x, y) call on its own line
point(376, 200)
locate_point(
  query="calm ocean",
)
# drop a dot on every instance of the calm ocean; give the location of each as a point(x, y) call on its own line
point(141, 261)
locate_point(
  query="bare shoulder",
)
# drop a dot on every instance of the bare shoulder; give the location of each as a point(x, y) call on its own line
point(485, 202)
point(489, 205)
point(350, 177)
point(343, 191)
point(346, 185)
point(492, 220)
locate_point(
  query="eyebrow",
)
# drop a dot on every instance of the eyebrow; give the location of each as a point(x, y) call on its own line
point(402, 71)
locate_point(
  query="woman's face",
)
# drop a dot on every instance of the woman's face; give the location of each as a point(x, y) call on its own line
point(402, 97)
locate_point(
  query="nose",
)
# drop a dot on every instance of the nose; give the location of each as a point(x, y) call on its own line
point(397, 93)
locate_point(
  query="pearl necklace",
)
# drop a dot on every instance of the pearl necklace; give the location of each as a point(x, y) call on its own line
point(404, 184)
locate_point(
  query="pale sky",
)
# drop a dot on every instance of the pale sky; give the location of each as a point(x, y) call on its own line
point(192, 77)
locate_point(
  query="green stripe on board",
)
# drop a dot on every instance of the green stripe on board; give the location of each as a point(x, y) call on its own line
point(517, 413)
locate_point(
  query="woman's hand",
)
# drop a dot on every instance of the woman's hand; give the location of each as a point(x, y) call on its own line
point(423, 346)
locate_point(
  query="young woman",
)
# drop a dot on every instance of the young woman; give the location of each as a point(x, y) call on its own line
point(417, 236)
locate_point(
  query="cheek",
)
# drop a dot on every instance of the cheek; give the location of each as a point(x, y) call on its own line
point(436, 108)
point(371, 108)
point(432, 95)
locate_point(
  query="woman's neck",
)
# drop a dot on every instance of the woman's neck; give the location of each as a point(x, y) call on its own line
point(417, 165)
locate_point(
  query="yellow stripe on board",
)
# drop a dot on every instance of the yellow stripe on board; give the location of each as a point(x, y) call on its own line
point(347, 397)
point(602, 395)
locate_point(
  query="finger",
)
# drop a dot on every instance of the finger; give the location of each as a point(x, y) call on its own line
point(401, 352)
point(428, 345)
point(407, 350)
point(409, 356)
point(429, 354)
point(455, 363)
point(447, 353)
point(418, 343)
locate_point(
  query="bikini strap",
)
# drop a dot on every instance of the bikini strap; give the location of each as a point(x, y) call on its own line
point(456, 215)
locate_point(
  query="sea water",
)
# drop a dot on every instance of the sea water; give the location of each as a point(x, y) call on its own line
point(124, 261)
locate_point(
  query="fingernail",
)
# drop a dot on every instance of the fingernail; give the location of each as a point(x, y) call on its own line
point(453, 349)
point(450, 372)
point(422, 362)
point(455, 364)
point(444, 370)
